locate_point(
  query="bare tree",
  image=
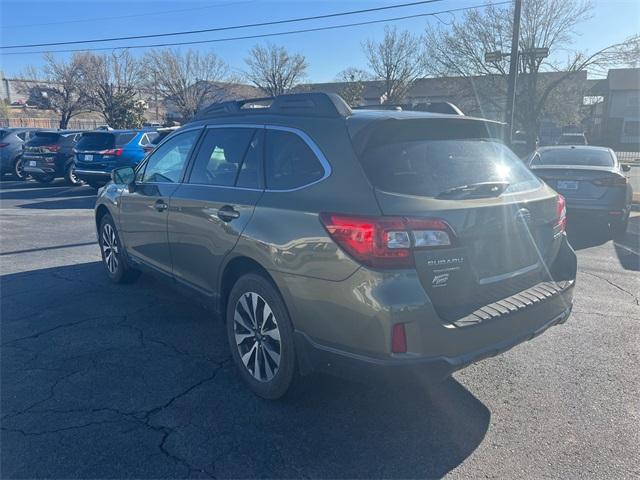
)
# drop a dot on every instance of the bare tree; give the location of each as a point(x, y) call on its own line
point(188, 79)
point(57, 85)
point(113, 83)
point(354, 80)
point(397, 61)
point(459, 50)
point(274, 70)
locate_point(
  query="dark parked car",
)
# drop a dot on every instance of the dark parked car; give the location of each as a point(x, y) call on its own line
point(99, 152)
point(11, 141)
point(364, 243)
point(49, 154)
point(591, 179)
point(572, 139)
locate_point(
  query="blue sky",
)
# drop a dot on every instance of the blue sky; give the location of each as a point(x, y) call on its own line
point(328, 52)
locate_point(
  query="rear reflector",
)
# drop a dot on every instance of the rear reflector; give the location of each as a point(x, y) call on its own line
point(561, 215)
point(398, 339)
point(386, 242)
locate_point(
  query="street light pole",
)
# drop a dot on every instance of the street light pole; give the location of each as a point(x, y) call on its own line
point(513, 71)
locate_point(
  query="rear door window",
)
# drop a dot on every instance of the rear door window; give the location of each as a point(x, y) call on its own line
point(429, 157)
point(221, 155)
point(289, 161)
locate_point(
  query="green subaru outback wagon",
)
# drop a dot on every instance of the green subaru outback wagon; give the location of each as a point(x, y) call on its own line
point(373, 244)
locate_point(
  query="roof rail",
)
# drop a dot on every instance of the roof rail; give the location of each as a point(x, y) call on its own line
point(313, 104)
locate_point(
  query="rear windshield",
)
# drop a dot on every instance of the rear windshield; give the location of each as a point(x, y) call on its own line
point(583, 157)
point(43, 138)
point(102, 141)
point(572, 140)
point(3, 133)
point(427, 158)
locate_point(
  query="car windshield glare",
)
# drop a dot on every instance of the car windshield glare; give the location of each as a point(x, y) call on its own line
point(425, 165)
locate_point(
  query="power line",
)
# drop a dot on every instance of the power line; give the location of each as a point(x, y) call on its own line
point(219, 29)
point(148, 14)
point(264, 35)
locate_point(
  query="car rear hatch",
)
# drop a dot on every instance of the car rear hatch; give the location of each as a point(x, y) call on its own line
point(580, 182)
point(101, 150)
point(41, 150)
point(502, 222)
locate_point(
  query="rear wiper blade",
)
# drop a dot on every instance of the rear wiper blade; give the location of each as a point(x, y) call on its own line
point(480, 189)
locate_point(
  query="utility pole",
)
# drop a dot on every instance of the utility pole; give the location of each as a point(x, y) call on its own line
point(155, 94)
point(513, 71)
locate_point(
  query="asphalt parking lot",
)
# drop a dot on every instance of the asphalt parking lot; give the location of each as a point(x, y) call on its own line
point(105, 381)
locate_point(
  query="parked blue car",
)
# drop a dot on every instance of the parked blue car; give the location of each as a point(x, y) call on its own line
point(99, 152)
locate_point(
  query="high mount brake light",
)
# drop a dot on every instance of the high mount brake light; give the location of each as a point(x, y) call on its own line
point(386, 242)
point(561, 214)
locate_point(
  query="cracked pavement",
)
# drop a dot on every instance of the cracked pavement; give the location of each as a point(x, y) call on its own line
point(106, 381)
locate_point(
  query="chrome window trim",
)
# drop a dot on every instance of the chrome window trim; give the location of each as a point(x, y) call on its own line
point(326, 166)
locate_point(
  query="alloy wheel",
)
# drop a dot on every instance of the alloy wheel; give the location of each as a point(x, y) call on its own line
point(257, 336)
point(73, 177)
point(19, 169)
point(110, 248)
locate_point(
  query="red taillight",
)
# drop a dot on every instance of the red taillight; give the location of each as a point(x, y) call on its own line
point(50, 148)
point(112, 151)
point(398, 339)
point(2, 145)
point(561, 214)
point(612, 181)
point(386, 242)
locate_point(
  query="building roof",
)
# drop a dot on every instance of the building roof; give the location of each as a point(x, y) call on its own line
point(624, 79)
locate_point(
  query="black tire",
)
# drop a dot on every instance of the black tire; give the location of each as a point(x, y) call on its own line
point(70, 176)
point(116, 266)
point(284, 373)
point(43, 178)
point(18, 169)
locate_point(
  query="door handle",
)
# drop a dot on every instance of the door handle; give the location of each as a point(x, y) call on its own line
point(227, 213)
point(161, 206)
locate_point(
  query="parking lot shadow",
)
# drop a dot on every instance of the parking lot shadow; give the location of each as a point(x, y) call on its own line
point(583, 234)
point(34, 193)
point(76, 202)
point(143, 372)
point(628, 246)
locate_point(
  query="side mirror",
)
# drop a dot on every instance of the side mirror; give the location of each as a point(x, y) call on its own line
point(626, 168)
point(124, 176)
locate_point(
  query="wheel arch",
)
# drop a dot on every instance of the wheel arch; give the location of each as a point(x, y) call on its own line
point(101, 211)
point(241, 265)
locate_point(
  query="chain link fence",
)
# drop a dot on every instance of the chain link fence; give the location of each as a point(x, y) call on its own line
point(49, 123)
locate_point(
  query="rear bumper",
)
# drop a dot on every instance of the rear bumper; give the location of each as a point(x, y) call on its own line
point(40, 170)
point(317, 357)
point(345, 327)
